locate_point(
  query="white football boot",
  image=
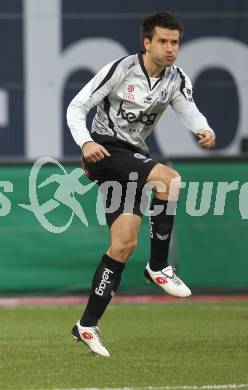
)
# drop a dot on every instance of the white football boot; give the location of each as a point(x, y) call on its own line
point(168, 281)
point(90, 336)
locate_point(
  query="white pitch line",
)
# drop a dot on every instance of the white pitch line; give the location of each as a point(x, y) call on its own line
point(204, 387)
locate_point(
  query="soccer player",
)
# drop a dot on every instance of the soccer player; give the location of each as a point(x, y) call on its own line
point(131, 94)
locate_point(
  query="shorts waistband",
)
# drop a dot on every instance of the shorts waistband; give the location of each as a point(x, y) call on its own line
point(108, 140)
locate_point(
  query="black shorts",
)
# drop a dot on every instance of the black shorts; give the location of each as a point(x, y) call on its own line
point(121, 177)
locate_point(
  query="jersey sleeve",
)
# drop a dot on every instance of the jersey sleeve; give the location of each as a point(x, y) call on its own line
point(184, 106)
point(89, 96)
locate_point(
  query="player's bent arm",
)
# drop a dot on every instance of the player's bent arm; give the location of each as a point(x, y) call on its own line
point(186, 110)
point(88, 97)
point(192, 118)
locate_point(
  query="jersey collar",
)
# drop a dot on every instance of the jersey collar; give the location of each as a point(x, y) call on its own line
point(146, 74)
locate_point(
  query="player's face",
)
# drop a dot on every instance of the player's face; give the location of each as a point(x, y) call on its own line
point(164, 46)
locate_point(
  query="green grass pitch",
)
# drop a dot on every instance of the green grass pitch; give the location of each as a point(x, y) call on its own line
point(158, 345)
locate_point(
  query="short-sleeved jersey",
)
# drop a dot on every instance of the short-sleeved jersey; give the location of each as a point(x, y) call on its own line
point(130, 103)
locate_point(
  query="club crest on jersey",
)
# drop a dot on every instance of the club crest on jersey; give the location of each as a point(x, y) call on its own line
point(163, 95)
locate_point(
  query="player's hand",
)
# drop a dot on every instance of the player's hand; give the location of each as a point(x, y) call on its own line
point(94, 152)
point(207, 139)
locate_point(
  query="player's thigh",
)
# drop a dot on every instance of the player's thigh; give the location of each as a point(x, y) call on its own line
point(124, 229)
point(162, 173)
point(164, 179)
point(165, 182)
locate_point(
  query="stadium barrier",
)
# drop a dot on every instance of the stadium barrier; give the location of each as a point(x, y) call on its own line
point(211, 245)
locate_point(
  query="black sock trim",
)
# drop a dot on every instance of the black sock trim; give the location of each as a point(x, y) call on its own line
point(113, 264)
point(159, 201)
point(169, 205)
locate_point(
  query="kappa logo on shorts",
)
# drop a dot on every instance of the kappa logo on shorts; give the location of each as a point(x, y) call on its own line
point(142, 157)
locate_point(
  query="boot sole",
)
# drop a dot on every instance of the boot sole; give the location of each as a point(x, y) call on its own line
point(148, 277)
point(75, 334)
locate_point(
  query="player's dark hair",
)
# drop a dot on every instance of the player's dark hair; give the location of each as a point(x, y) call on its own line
point(160, 19)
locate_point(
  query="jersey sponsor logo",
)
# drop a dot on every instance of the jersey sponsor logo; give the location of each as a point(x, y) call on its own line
point(142, 117)
point(104, 282)
point(128, 96)
point(130, 88)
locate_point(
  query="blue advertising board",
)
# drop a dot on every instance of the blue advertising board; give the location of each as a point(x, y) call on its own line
point(50, 49)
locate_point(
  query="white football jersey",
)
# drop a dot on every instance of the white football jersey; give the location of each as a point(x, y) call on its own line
point(130, 103)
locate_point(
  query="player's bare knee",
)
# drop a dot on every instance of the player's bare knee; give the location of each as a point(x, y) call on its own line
point(122, 250)
point(170, 183)
point(175, 179)
point(169, 175)
point(128, 247)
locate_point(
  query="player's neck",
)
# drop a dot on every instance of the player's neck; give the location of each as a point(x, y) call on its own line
point(152, 69)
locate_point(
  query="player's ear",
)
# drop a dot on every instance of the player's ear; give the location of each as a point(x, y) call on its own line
point(147, 44)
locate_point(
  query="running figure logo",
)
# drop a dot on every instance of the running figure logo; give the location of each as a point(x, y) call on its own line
point(68, 185)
